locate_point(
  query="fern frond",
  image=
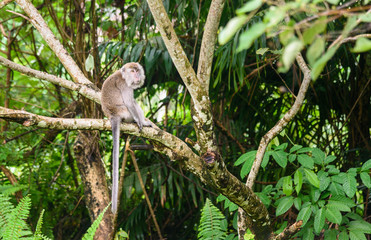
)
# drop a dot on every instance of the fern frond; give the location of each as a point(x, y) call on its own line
point(5, 209)
point(210, 223)
point(89, 235)
point(38, 234)
point(7, 190)
point(16, 226)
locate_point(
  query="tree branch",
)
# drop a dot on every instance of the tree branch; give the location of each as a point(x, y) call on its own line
point(39, 23)
point(4, 3)
point(282, 122)
point(208, 42)
point(83, 89)
point(202, 116)
point(213, 174)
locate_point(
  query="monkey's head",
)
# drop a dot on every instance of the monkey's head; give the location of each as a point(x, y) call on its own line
point(133, 73)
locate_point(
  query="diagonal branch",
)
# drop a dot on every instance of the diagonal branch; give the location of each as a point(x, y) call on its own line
point(39, 23)
point(282, 122)
point(202, 116)
point(4, 3)
point(209, 41)
point(84, 90)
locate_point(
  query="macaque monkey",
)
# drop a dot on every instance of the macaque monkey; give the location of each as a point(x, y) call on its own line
point(118, 105)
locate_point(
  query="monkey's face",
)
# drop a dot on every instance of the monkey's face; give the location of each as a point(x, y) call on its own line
point(133, 74)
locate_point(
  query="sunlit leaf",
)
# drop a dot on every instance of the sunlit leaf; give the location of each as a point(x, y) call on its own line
point(89, 63)
point(231, 28)
point(249, 6)
point(290, 52)
point(248, 37)
point(312, 177)
point(315, 50)
point(362, 45)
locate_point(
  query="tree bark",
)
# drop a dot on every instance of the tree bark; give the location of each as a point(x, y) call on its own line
point(93, 177)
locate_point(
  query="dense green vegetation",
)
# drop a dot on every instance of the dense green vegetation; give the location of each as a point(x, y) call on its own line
point(315, 170)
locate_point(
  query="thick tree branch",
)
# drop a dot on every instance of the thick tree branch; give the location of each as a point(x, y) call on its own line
point(208, 42)
point(213, 174)
point(282, 122)
point(39, 23)
point(202, 113)
point(84, 90)
point(4, 3)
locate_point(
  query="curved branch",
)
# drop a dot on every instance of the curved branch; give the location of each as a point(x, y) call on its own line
point(214, 173)
point(282, 122)
point(84, 90)
point(39, 23)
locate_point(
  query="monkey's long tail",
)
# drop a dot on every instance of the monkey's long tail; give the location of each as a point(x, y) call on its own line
point(115, 124)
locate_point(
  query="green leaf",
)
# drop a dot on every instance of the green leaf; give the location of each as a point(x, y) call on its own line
point(287, 185)
point(297, 203)
point(330, 234)
point(306, 161)
point(287, 35)
point(280, 157)
point(350, 185)
point(292, 158)
point(329, 159)
point(324, 182)
point(246, 168)
point(366, 179)
point(343, 200)
point(282, 147)
point(320, 64)
point(290, 52)
point(340, 206)
point(249, 6)
point(318, 155)
point(266, 159)
point(298, 180)
point(360, 225)
point(333, 215)
point(89, 63)
point(308, 234)
point(365, 17)
point(274, 16)
point(93, 228)
point(284, 205)
point(336, 189)
point(362, 45)
point(312, 177)
point(311, 33)
point(366, 166)
point(357, 235)
point(248, 37)
point(343, 235)
point(319, 221)
point(246, 157)
point(295, 148)
point(304, 214)
point(231, 28)
point(333, 2)
point(262, 51)
point(350, 25)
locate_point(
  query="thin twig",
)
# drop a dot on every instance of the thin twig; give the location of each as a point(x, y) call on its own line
point(145, 193)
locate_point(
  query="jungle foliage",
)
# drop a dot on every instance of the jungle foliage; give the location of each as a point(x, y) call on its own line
point(317, 170)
